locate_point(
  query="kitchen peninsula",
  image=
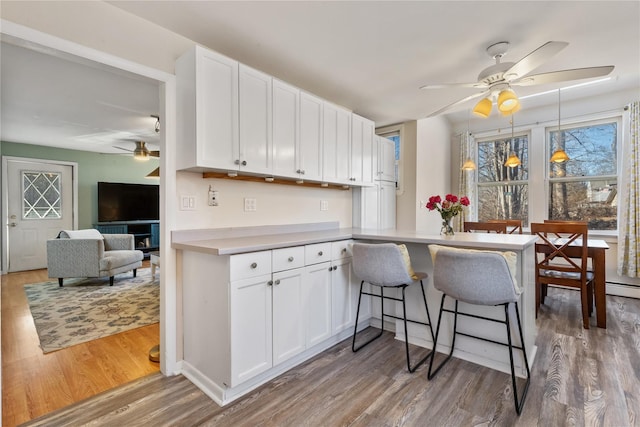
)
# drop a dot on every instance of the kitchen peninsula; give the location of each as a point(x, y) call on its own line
point(258, 301)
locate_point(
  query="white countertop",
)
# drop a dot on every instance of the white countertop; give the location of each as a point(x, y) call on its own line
point(229, 245)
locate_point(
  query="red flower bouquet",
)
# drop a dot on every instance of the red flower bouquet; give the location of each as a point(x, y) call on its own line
point(448, 208)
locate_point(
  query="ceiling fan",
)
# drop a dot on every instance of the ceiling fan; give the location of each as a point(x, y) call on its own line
point(496, 80)
point(141, 152)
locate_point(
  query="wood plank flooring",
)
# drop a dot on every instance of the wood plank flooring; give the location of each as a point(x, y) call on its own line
point(580, 377)
point(34, 383)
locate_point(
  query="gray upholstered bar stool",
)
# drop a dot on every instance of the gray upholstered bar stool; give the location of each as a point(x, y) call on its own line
point(387, 265)
point(480, 278)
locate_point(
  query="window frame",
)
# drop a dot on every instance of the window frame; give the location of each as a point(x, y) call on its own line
point(548, 151)
point(494, 137)
point(395, 130)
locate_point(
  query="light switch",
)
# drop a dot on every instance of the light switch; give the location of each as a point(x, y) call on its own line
point(250, 204)
point(324, 205)
point(187, 203)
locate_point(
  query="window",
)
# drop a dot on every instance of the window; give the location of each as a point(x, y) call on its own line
point(585, 187)
point(503, 191)
point(41, 198)
point(394, 133)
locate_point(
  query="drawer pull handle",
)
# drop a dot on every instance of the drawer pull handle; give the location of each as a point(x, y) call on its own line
point(290, 259)
point(335, 267)
point(278, 282)
point(330, 268)
point(270, 283)
point(320, 253)
point(254, 265)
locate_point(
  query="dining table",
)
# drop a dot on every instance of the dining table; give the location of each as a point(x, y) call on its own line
point(596, 251)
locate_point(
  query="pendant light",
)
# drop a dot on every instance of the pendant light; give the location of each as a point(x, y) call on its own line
point(513, 159)
point(469, 164)
point(559, 156)
point(508, 101)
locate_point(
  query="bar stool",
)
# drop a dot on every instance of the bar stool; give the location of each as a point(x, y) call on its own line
point(480, 278)
point(387, 265)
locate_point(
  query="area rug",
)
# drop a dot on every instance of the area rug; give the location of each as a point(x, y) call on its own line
point(88, 309)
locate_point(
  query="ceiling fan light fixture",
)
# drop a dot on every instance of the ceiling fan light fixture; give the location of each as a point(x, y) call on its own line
point(483, 108)
point(141, 153)
point(507, 101)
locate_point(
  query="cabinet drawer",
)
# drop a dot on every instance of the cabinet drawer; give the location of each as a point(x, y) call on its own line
point(250, 265)
point(313, 254)
point(341, 249)
point(287, 258)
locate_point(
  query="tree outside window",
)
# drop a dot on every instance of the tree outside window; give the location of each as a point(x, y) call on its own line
point(585, 187)
point(502, 190)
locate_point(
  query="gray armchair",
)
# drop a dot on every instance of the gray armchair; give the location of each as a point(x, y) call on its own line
point(88, 253)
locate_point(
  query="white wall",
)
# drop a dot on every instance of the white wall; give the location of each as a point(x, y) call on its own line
point(433, 170)
point(276, 204)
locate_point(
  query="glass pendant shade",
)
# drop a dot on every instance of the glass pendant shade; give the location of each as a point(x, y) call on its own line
point(513, 161)
point(513, 111)
point(483, 108)
point(469, 165)
point(559, 156)
point(507, 100)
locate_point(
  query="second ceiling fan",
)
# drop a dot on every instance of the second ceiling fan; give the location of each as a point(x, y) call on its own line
point(141, 152)
point(496, 80)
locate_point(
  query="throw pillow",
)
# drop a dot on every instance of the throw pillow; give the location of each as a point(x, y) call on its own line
point(407, 261)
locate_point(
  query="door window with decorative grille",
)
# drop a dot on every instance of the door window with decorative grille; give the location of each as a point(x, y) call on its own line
point(41, 195)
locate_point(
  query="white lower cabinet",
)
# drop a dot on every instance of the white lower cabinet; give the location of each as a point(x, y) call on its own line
point(288, 330)
point(316, 300)
point(245, 322)
point(251, 331)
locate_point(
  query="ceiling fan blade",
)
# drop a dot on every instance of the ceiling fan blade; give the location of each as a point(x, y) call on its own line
point(477, 85)
point(534, 60)
point(565, 75)
point(121, 148)
point(468, 98)
point(154, 153)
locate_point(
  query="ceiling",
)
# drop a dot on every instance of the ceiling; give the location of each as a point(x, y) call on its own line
point(369, 56)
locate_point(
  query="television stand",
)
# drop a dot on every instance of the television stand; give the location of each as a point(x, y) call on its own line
point(146, 234)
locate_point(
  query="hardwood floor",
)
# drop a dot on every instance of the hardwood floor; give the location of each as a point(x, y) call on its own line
point(34, 383)
point(580, 377)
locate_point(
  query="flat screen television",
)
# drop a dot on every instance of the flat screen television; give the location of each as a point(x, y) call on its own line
point(128, 202)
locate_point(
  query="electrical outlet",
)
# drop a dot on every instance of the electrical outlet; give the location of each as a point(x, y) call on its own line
point(213, 197)
point(250, 204)
point(324, 205)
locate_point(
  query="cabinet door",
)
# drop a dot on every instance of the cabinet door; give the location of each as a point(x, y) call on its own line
point(317, 303)
point(356, 149)
point(310, 143)
point(155, 235)
point(112, 229)
point(288, 327)
point(255, 121)
point(336, 146)
point(370, 209)
point(343, 294)
point(285, 128)
point(386, 160)
point(251, 331)
point(217, 110)
point(369, 154)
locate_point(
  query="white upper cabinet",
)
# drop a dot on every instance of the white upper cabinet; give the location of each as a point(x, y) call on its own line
point(286, 100)
point(309, 153)
point(361, 150)
point(256, 151)
point(386, 160)
point(207, 110)
point(336, 146)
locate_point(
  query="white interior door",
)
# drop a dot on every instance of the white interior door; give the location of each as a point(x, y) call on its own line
point(40, 204)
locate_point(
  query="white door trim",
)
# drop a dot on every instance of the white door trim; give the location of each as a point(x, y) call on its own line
point(169, 298)
point(5, 199)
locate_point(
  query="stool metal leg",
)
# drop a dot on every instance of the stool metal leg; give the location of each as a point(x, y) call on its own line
point(406, 334)
point(519, 404)
point(355, 328)
point(431, 373)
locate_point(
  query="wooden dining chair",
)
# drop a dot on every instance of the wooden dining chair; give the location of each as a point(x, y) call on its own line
point(485, 227)
point(561, 259)
point(514, 226)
